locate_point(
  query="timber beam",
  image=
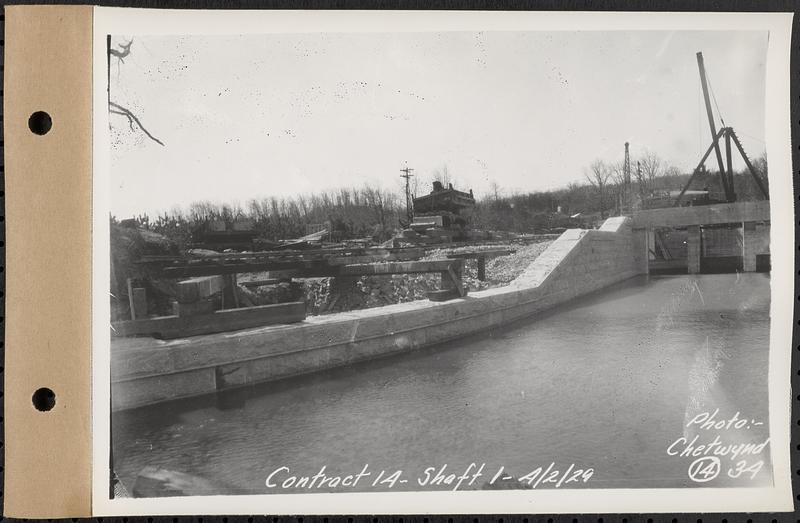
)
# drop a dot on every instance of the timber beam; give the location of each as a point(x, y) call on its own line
point(407, 267)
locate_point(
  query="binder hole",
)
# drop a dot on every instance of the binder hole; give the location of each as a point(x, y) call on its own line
point(44, 399)
point(40, 123)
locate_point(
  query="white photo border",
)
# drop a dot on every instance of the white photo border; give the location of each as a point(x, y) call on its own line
point(220, 22)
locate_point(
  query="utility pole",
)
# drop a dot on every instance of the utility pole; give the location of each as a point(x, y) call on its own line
point(407, 175)
point(626, 180)
point(626, 167)
point(642, 188)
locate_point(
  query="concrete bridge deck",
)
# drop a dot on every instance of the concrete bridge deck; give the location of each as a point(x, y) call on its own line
point(738, 212)
point(752, 217)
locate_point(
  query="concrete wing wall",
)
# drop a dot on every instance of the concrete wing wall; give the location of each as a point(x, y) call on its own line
point(582, 261)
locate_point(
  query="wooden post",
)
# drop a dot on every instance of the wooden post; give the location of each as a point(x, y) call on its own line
point(452, 279)
point(234, 288)
point(229, 299)
point(342, 288)
point(457, 279)
point(130, 300)
point(482, 268)
point(446, 282)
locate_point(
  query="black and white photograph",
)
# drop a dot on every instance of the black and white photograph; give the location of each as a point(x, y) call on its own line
point(443, 258)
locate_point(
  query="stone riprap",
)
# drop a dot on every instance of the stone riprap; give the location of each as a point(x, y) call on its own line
point(146, 371)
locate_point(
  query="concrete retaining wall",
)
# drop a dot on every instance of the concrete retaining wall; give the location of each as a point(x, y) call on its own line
point(146, 371)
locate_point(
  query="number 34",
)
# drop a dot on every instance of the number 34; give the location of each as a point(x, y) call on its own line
point(742, 468)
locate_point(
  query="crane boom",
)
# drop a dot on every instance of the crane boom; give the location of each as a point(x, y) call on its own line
point(712, 126)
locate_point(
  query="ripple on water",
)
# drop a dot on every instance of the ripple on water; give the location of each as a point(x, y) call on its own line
point(606, 382)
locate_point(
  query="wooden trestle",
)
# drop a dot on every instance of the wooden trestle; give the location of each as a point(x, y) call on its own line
point(209, 273)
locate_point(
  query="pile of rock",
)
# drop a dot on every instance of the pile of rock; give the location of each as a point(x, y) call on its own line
point(503, 270)
point(328, 295)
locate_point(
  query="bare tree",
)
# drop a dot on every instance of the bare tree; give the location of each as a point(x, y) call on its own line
point(115, 108)
point(381, 203)
point(617, 172)
point(641, 184)
point(443, 175)
point(598, 175)
point(760, 165)
point(617, 179)
point(415, 187)
point(494, 189)
point(652, 168)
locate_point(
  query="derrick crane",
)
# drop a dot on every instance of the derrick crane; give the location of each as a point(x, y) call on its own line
point(729, 135)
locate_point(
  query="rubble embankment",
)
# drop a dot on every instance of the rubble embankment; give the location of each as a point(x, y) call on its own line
point(329, 295)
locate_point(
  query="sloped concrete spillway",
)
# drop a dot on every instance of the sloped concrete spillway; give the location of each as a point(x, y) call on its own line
point(579, 262)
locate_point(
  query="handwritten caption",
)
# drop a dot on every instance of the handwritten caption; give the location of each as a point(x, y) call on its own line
point(719, 446)
point(440, 477)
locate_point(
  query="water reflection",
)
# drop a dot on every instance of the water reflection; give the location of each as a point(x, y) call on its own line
point(607, 383)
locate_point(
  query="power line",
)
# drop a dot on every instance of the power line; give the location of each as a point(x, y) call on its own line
point(739, 131)
point(699, 122)
point(714, 97)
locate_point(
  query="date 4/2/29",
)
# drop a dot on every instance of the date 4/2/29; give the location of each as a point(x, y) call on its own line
point(550, 476)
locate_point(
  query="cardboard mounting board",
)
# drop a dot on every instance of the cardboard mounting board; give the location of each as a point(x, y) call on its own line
point(49, 55)
point(48, 67)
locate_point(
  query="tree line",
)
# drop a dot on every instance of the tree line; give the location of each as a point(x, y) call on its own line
point(368, 212)
point(347, 213)
point(652, 179)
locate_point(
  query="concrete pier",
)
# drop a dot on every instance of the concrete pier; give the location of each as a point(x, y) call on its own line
point(694, 248)
point(750, 246)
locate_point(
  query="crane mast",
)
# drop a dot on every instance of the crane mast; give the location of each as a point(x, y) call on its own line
point(727, 133)
point(728, 188)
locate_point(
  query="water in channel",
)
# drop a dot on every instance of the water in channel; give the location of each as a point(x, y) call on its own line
point(609, 382)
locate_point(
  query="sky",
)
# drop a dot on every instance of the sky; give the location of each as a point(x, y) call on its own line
point(255, 116)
